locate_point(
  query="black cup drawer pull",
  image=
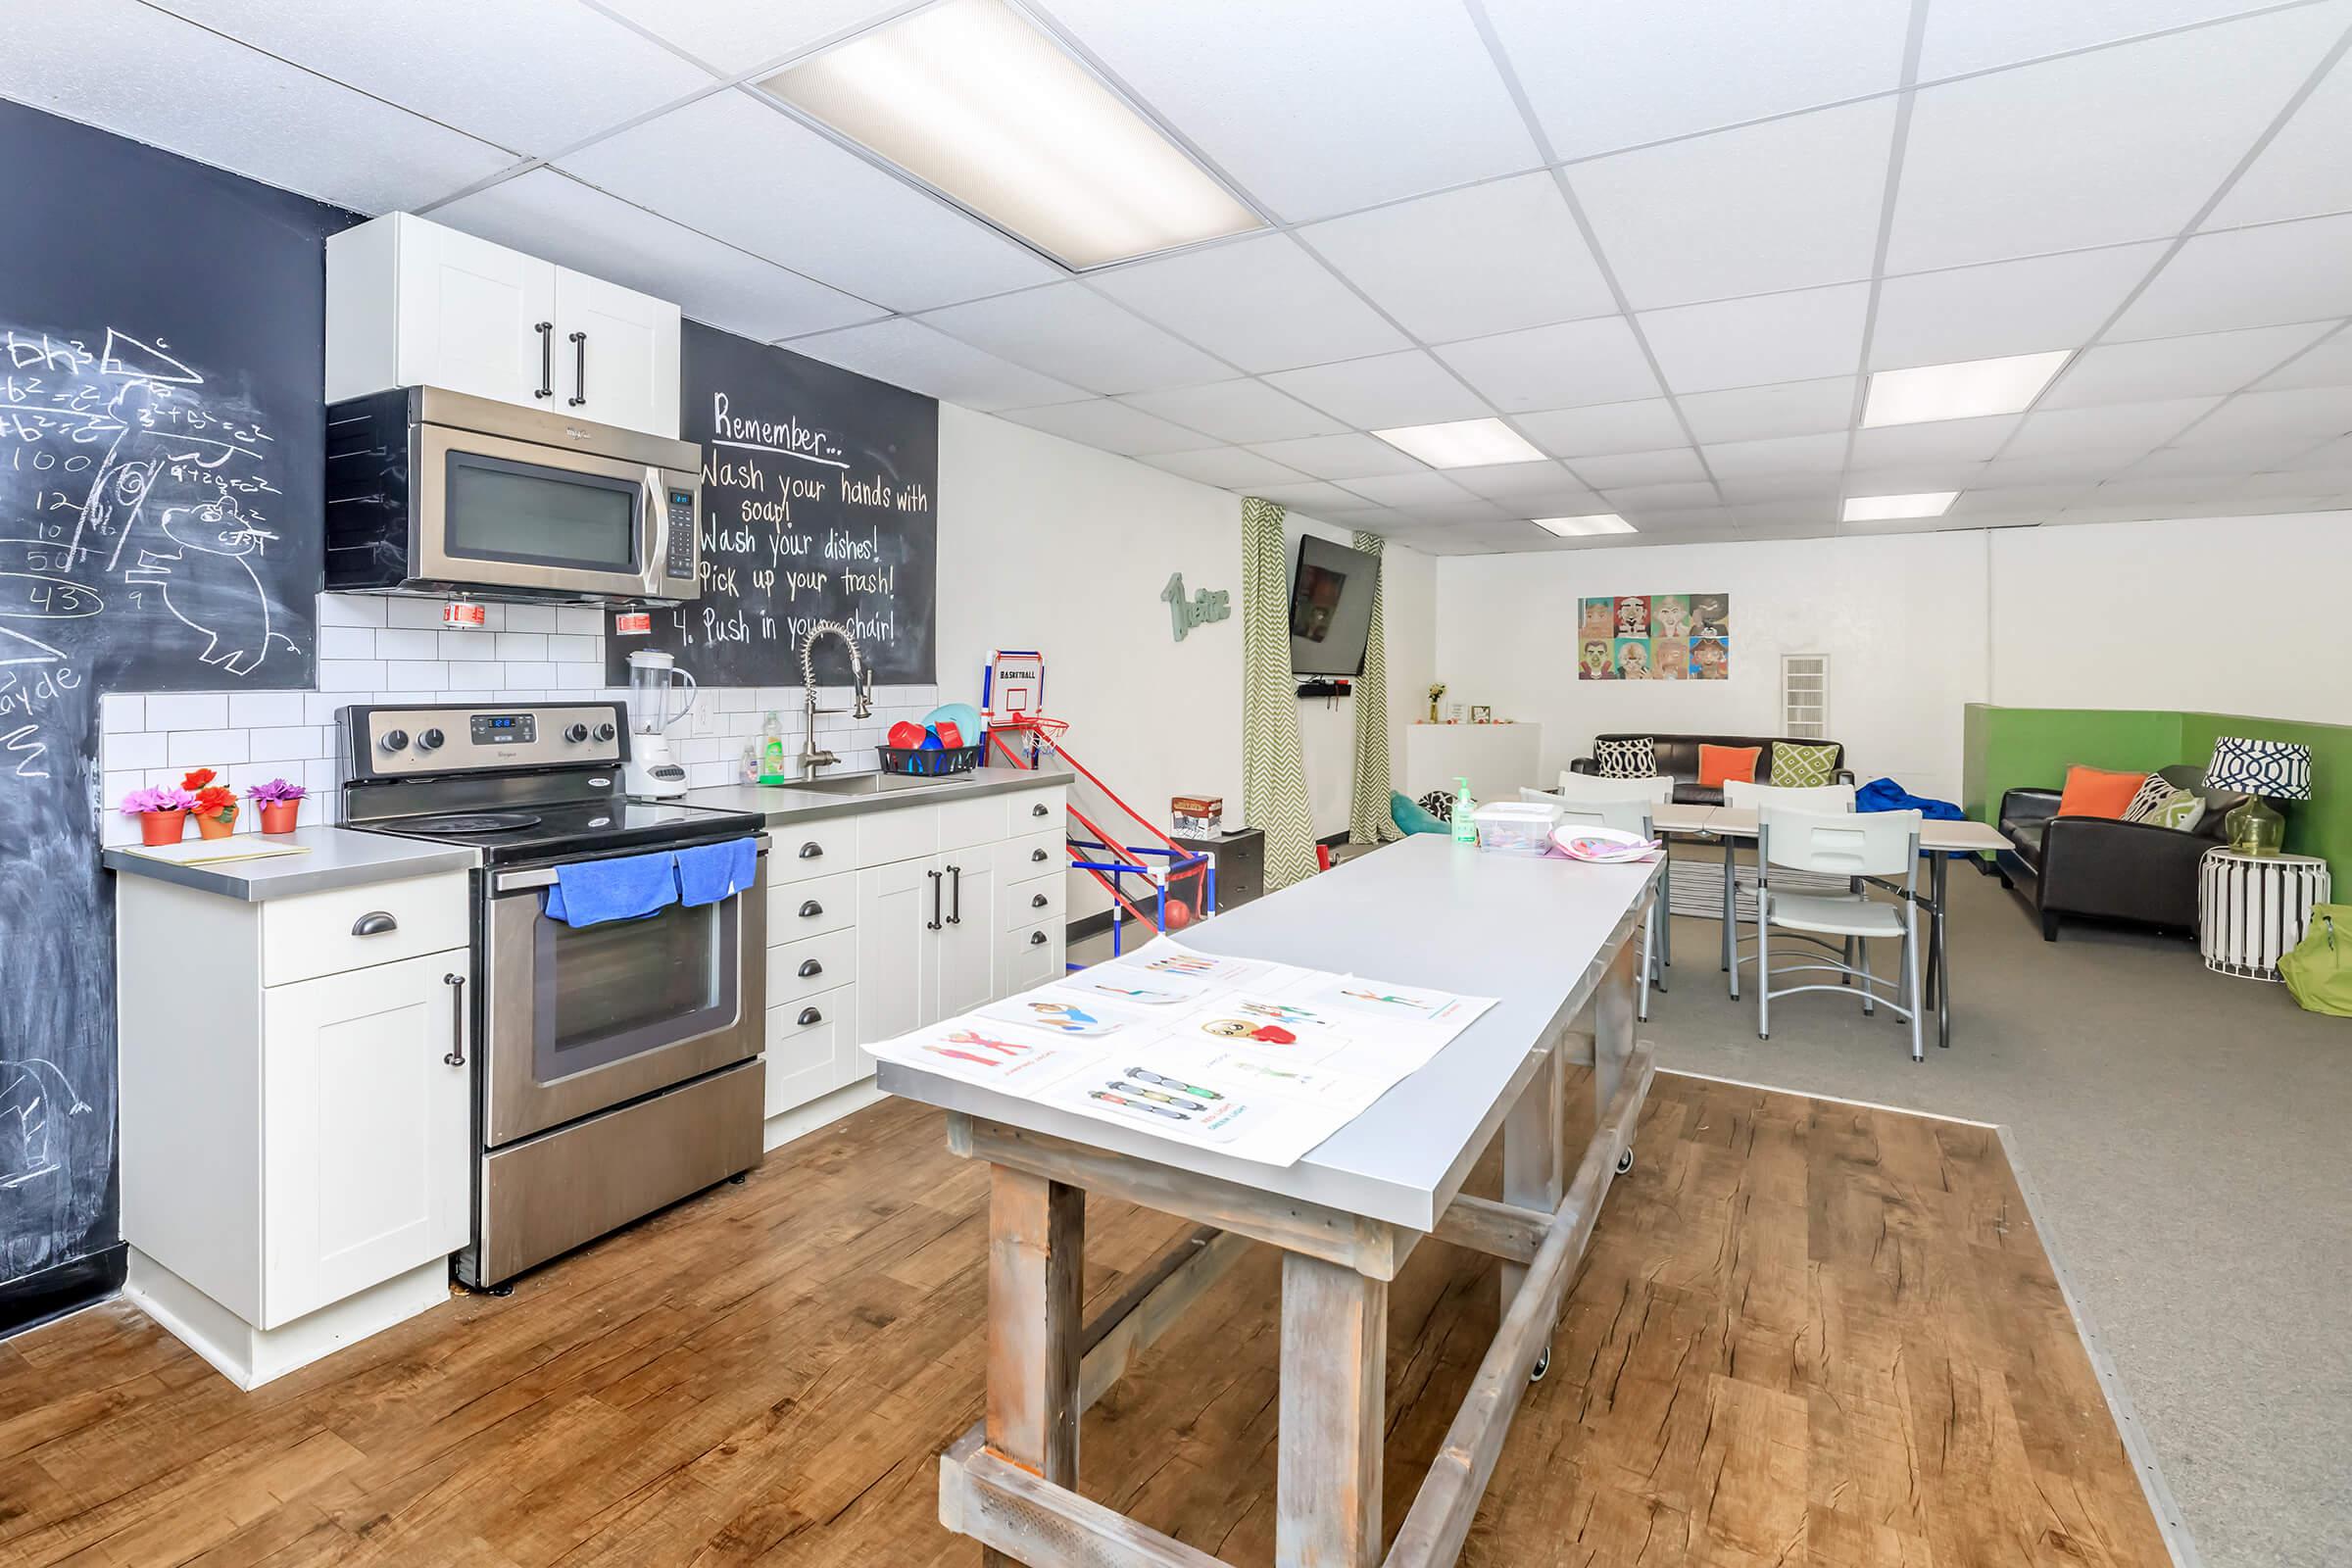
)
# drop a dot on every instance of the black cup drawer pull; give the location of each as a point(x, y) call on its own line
point(810, 968)
point(1036, 855)
point(1039, 810)
point(1037, 939)
point(810, 1015)
point(375, 923)
point(813, 851)
point(810, 910)
point(1038, 901)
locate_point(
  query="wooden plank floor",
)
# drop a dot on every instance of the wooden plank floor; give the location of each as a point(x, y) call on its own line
point(1806, 1334)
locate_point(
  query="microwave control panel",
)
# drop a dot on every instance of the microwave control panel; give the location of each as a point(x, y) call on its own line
point(680, 561)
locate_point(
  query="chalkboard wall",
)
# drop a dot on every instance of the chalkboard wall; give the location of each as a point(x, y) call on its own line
point(161, 458)
point(820, 502)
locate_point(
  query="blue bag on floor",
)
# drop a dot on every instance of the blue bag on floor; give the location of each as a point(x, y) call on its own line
point(1885, 795)
point(622, 888)
point(710, 872)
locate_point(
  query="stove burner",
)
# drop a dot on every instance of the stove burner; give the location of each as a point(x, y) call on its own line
point(480, 822)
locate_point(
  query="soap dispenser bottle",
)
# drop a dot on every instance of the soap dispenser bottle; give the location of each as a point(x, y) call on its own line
point(1465, 831)
point(771, 748)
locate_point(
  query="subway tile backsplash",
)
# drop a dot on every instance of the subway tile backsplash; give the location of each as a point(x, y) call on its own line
point(395, 649)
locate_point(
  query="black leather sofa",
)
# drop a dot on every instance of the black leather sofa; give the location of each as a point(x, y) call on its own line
point(1677, 760)
point(2099, 869)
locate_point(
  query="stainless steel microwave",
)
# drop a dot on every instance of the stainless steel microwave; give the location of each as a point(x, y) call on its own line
point(437, 493)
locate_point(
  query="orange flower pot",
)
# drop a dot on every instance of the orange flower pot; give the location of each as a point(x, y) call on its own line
point(163, 827)
point(218, 827)
point(278, 816)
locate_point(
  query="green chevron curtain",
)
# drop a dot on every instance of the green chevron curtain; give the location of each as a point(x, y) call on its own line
point(1273, 775)
point(1368, 818)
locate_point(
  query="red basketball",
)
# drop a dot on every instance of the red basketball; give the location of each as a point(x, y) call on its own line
point(905, 736)
point(1180, 914)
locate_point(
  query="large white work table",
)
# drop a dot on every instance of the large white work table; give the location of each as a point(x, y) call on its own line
point(1550, 939)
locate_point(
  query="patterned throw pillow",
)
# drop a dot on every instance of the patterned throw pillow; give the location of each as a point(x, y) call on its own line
point(1634, 758)
point(2183, 810)
point(1803, 767)
point(1437, 803)
point(2152, 795)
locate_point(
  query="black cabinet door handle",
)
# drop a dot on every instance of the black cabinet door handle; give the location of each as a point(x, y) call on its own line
point(1037, 901)
point(956, 885)
point(375, 923)
point(812, 910)
point(1037, 810)
point(547, 359)
point(1036, 855)
point(810, 1015)
point(813, 851)
point(933, 923)
point(579, 369)
point(457, 1019)
point(810, 968)
point(1037, 939)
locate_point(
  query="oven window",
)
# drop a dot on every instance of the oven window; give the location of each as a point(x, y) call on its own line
point(605, 993)
point(501, 510)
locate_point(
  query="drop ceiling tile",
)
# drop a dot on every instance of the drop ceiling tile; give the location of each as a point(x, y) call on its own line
point(2299, 272)
point(1514, 237)
point(1800, 490)
point(1312, 496)
point(548, 215)
point(2304, 172)
point(1912, 478)
point(1263, 304)
point(1317, 107)
point(1777, 337)
point(535, 75)
point(1408, 490)
point(1073, 335)
point(907, 353)
point(2017, 500)
point(1384, 391)
point(1965, 36)
point(1514, 482)
point(1933, 441)
point(2120, 144)
point(2328, 365)
point(735, 35)
point(1337, 457)
point(1107, 423)
point(879, 239)
point(2334, 455)
point(2298, 419)
point(2335, 476)
point(2120, 426)
point(1667, 465)
point(2207, 364)
point(2064, 464)
point(1642, 425)
point(1561, 365)
point(1795, 456)
point(1789, 204)
point(1759, 412)
point(134, 71)
point(2005, 308)
point(1640, 500)
point(1730, 61)
point(1235, 410)
point(2212, 462)
point(1226, 467)
point(1469, 512)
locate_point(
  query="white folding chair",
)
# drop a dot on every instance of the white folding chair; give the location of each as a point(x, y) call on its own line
point(1874, 849)
point(1628, 810)
point(1740, 795)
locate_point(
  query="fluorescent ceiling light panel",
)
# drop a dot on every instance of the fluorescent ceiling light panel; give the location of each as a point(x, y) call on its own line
point(1462, 444)
point(1963, 391)
point(978, 104)
point(1579, 527)
point(1893, 509)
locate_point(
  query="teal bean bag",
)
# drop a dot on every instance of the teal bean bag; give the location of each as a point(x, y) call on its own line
point(1410, 818)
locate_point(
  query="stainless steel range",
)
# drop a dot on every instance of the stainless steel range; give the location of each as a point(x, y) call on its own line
point(620, 1067)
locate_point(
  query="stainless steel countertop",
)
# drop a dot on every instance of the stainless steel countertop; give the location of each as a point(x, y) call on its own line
point(783, 804)
point(337, 857)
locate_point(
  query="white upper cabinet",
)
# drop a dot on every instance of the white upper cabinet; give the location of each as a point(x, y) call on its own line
point(412, 303)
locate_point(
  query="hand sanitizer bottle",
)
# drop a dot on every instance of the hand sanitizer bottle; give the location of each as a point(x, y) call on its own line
point(1465, 831)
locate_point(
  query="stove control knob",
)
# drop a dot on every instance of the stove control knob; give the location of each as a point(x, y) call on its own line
point(430, 741)
point(603, 732)
point(576, 734)
point(393, 740)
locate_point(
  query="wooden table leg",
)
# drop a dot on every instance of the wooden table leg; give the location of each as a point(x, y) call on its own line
point(1534, 1159)
point(1613, 1024)
point(1036, 1256)
point(1334, 1330)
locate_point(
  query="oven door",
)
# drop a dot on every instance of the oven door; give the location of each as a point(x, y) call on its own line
point(504, 514)
point(578, 1020)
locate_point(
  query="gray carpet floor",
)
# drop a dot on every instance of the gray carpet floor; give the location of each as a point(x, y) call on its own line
point(2188, 1135)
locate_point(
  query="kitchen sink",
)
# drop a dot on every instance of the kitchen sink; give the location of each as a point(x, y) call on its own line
point(875, 784)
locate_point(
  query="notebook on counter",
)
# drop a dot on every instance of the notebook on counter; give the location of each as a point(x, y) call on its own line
point(213, 852)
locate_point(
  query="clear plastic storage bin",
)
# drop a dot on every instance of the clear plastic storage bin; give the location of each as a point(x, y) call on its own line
point(1513, 827)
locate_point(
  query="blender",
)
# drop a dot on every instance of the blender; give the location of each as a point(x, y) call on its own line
point(653, 772)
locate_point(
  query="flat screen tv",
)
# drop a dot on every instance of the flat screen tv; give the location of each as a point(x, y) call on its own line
point(1330, 608)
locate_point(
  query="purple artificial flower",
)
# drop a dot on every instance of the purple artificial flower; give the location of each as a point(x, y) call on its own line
point(138, 802)
point(277, 792)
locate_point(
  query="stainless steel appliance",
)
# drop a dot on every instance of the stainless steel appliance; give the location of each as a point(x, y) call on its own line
point(440, 493)
point(619, 1066)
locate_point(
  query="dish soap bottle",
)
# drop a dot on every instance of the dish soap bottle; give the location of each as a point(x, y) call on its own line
point(771, 748)
point(1465, 831)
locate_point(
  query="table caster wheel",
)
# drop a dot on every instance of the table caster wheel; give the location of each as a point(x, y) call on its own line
point(1625, 1162)
point(738, 1178)
point(1543, 1365)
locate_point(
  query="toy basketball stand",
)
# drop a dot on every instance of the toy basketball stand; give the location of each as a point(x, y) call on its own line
point(1178, 885)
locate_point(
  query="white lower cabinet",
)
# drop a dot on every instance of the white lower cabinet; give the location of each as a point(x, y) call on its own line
point(922, 929)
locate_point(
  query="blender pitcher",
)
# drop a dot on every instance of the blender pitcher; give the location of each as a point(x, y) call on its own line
point(654, 772)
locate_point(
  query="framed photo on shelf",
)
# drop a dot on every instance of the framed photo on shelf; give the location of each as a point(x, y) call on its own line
point(1480, 713)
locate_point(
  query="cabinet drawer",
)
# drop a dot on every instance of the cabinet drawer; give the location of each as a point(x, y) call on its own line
point(830, 960)
point(813, 908)
point(321, 933)
point(1036, 901)
point(1030, 957)
point(806, 1042)
point(1035, 810)
point(908, 833)
point(812, 850)
point(1033, 855)
point(964, 823)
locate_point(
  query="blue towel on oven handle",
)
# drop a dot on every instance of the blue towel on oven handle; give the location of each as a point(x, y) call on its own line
point(710, 872)
point(623, 887)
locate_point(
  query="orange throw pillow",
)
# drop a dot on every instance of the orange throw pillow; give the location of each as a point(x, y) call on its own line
point(1719, 765)
point(2094, 792)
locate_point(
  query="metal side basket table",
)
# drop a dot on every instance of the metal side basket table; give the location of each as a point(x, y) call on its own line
point(2253, 908)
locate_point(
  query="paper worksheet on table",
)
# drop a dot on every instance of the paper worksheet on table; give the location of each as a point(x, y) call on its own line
point(1254, 1059)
